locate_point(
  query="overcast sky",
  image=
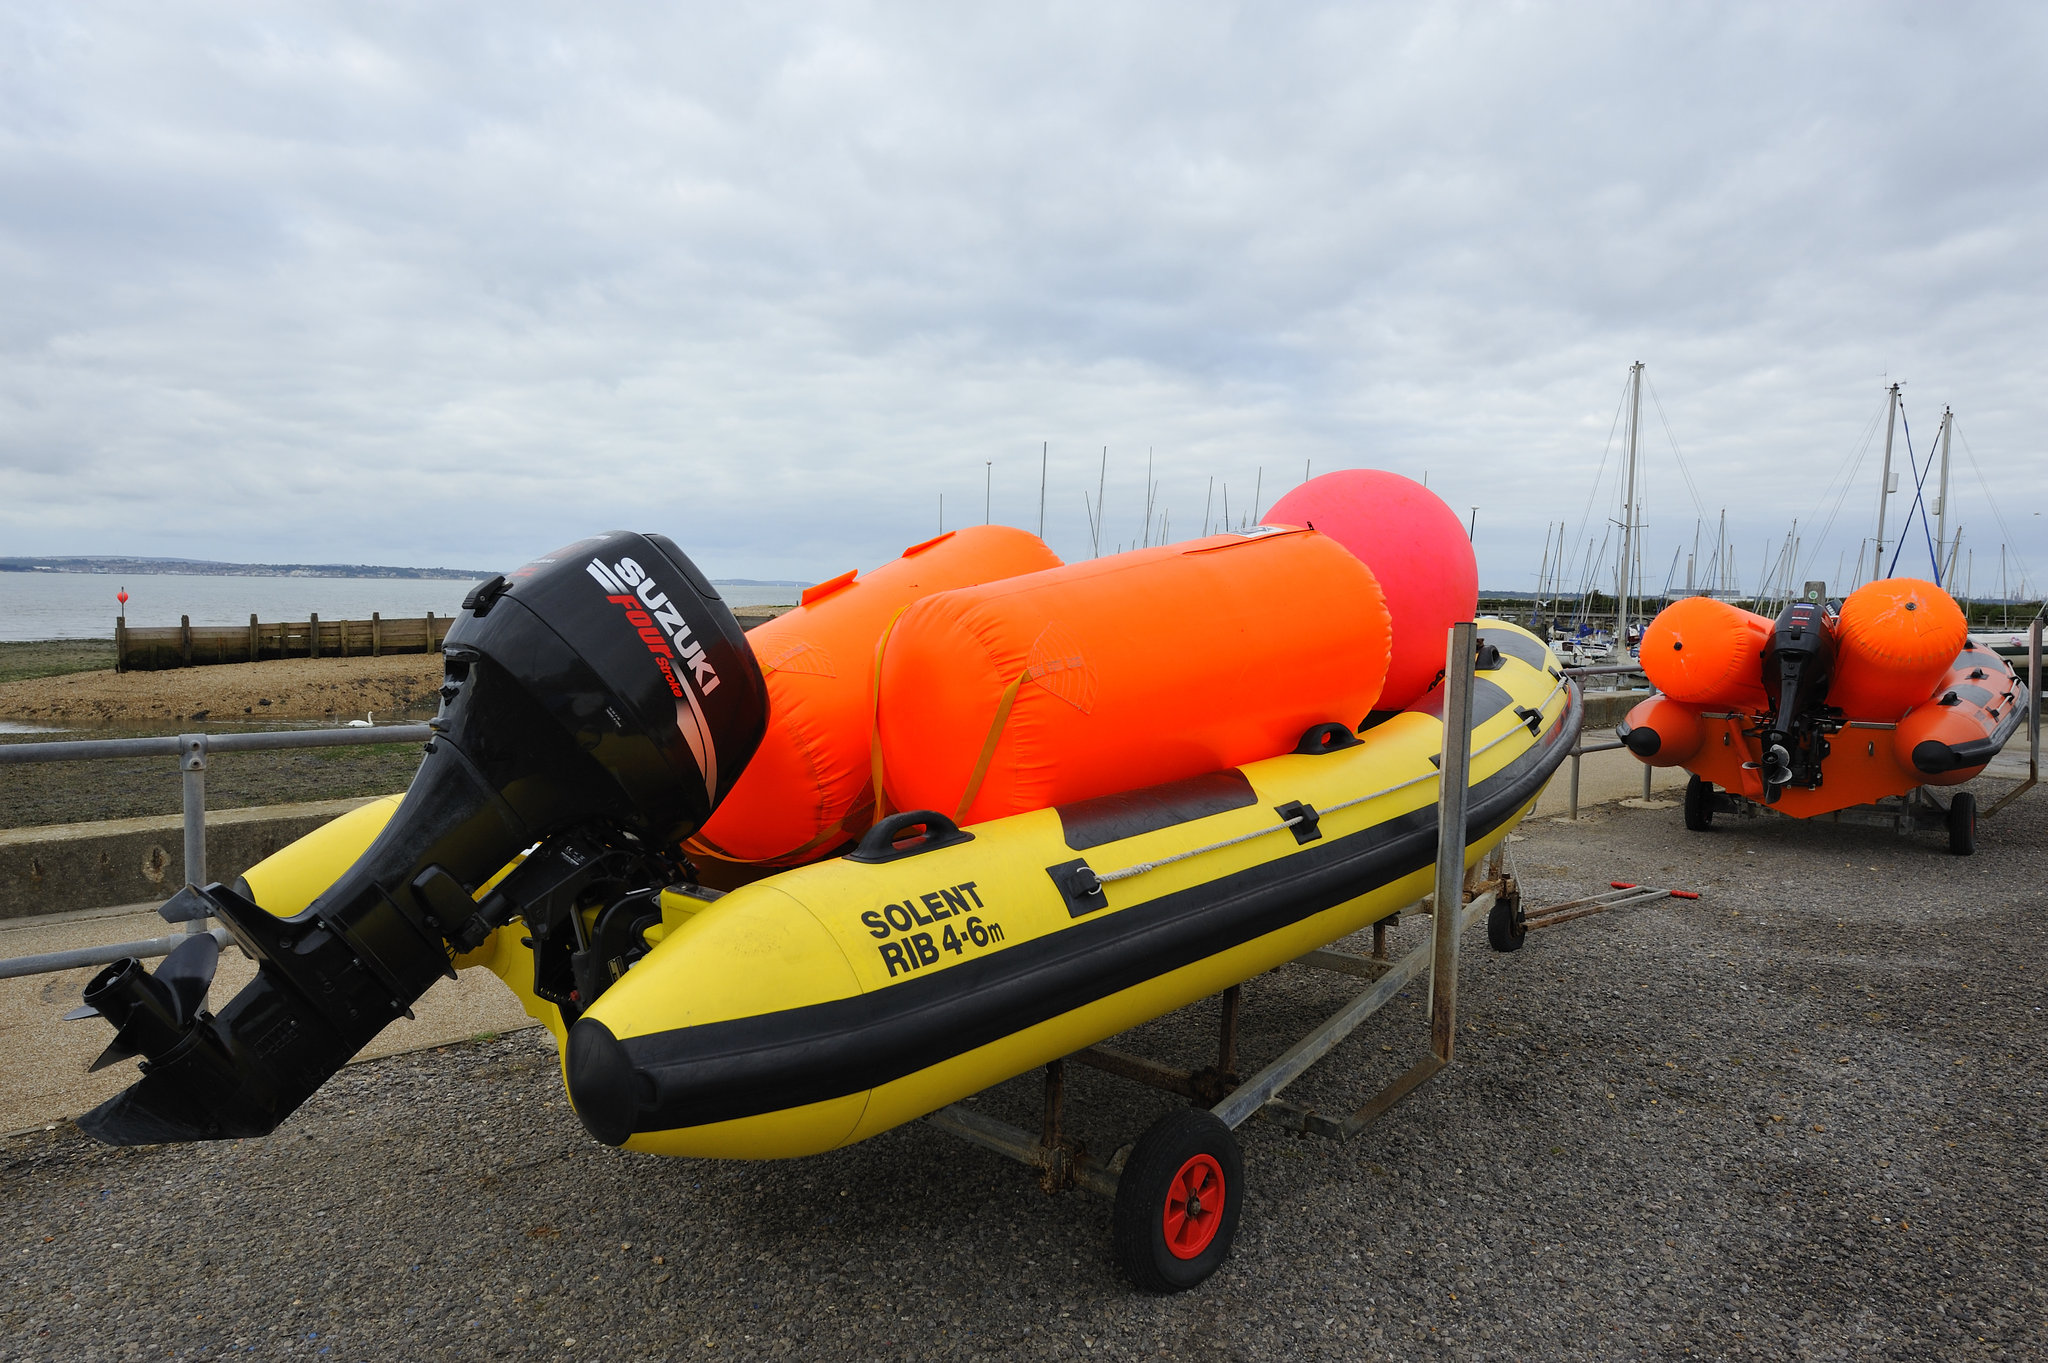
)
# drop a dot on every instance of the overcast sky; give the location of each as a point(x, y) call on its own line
point(454, 284)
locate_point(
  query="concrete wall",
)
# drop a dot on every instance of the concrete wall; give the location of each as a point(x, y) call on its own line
point(1605, 709)
point(62, 867)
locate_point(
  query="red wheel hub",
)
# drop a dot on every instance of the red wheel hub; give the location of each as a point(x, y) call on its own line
point(1194, 1207)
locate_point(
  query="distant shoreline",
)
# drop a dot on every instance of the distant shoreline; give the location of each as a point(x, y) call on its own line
point(150, 567)
point(83, 566)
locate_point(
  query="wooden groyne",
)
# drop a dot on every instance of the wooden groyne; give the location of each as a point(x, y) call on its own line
point(155, 647)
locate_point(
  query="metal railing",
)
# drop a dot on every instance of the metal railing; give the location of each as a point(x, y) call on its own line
point(2033, 715)
point(1580, 748)
point(191, 750)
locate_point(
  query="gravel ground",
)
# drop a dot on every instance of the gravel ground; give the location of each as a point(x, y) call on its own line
point(1796, 1118)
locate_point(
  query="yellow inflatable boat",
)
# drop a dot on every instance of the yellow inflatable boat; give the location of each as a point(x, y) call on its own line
point(598, 704)
point(831, 1002)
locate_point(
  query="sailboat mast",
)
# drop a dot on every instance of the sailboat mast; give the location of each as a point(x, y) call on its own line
point(1554, 589)
point(1721, 556)
point(1101, 486)
point(1147, 541)
point(1044, 454)
point(1884, 484)
point(1941, 545)
point(1628, 514)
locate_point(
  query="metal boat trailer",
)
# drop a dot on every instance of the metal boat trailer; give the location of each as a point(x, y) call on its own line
point(1917, 811)
point(1178, 1187)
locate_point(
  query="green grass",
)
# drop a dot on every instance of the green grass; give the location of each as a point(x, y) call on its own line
point(54, 658)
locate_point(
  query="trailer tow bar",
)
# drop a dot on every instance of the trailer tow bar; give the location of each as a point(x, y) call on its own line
point(1509, 924)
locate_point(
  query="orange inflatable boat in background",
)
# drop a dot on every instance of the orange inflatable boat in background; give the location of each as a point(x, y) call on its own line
point(809, 787)
point(1132, 670)
point(1821, 711)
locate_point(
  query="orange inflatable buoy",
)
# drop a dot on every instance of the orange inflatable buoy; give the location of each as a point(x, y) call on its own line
point(808, 788)
point(1418, 549)
point(1895, 639)
point(1127, 671)
point(1707, 652)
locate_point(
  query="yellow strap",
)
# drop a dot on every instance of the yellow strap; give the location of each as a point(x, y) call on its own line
point(875, 720)
point(988, 746)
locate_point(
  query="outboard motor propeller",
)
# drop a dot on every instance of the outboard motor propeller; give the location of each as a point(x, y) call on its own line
point(151, 1013)
point(1798, 665)
point(598, 702)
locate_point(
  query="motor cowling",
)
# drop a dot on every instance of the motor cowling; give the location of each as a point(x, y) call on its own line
point(602, 695)
point(1798, 666)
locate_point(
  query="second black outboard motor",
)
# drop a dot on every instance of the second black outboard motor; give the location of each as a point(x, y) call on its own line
point(1798, 665)
point(596, 706)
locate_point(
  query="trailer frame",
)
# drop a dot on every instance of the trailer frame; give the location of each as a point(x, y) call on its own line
point(1221, 1089)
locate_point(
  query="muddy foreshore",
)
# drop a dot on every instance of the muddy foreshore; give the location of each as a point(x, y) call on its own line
point(97, 702)
point(395, 685)
point(298, 691)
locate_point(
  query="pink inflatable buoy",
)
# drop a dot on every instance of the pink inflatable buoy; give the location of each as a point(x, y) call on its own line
point(1415, 545)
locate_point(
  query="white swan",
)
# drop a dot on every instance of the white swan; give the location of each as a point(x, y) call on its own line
point(366, 722)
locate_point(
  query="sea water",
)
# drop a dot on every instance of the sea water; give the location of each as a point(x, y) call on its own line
point(82, 605)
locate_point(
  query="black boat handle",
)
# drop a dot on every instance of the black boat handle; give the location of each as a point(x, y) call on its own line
point(879, 843)
point(1322, 738)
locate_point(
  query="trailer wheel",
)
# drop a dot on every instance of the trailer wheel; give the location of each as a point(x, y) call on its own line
point(1177, 1202)
point(1505, 927)
point(1962, 824)
point(1699, 805)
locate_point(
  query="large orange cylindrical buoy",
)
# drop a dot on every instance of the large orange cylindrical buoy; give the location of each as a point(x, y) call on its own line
point(1894, 640)
point(808, 787)
point(1418, 549)
point(1127, 671)
point(1707, 652)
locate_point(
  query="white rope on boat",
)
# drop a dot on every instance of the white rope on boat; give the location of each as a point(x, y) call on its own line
point(1108, 877)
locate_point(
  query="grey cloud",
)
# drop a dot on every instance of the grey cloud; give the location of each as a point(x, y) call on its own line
point(457, 284)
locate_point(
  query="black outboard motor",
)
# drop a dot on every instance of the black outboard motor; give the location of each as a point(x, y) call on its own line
point(596, 706)
point(1799, 664)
